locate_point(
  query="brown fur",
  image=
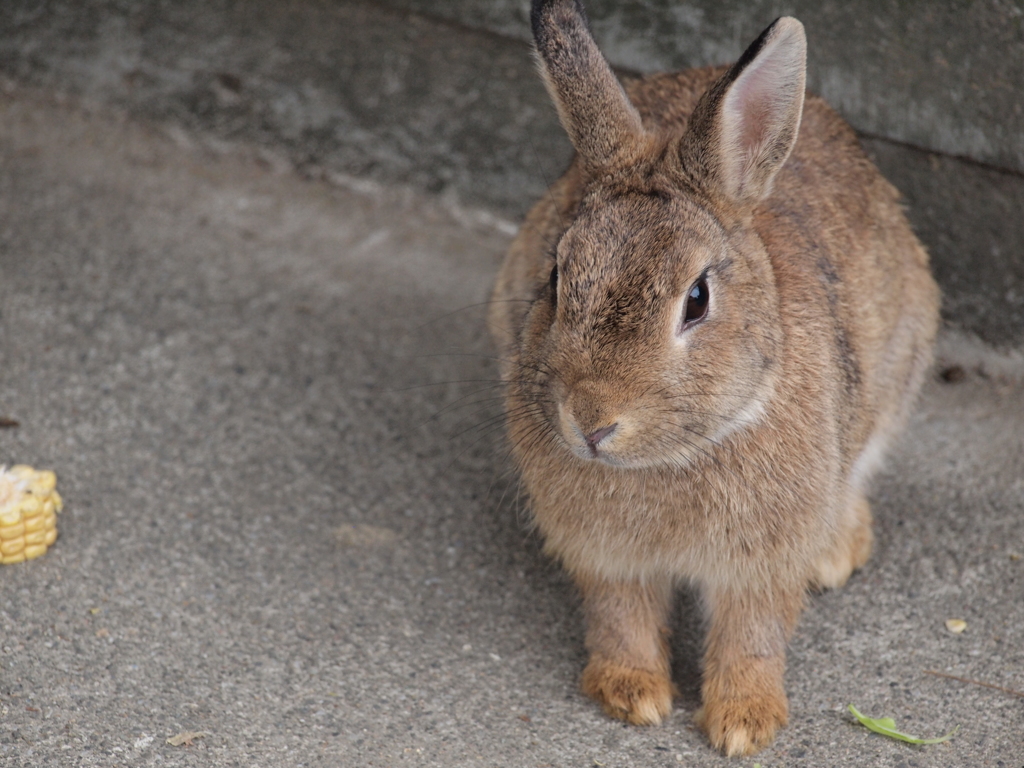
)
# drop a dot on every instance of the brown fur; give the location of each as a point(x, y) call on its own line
point(743, 446)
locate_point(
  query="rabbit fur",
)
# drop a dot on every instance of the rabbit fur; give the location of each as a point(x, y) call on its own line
point(711, 328)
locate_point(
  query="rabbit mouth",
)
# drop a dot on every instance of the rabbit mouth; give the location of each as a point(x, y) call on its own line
point(591, 437)
point(597, 444)
point(626, 441)
point(597, 426)
point(614, 442)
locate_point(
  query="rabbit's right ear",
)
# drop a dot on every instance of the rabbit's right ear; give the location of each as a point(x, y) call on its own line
point(602, 124)
point(745, 126)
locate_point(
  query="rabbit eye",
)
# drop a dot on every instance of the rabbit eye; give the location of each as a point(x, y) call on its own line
point(696, 303)
point(553, 283)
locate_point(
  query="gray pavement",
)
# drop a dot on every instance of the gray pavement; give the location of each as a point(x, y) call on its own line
point(290, 524)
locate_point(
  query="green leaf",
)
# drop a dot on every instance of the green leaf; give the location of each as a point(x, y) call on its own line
point(887, 727)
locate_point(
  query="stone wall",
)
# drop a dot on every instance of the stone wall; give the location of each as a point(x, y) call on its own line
point(943, 76)
point(442, 94)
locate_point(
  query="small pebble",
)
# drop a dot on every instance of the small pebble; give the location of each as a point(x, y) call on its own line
point(956, 626)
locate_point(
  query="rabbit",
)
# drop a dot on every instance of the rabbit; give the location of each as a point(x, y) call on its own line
point(711, 328)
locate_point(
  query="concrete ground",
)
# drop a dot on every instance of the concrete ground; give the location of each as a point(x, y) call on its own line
point(290, 524)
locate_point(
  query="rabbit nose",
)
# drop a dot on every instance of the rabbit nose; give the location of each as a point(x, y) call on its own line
point(597, 436)
point(589, 415)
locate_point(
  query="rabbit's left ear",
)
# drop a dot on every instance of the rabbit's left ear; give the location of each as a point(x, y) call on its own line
point(745, 126)
point(602, 123)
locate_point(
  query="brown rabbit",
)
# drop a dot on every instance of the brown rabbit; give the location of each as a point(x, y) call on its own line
point(712, 328)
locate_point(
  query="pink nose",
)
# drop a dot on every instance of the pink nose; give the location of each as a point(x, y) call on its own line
point(597, 436)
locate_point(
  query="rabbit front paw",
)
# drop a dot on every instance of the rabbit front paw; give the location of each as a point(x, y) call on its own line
point(638, 696)
point(744, 726)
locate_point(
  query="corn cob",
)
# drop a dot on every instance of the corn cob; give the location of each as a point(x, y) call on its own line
point(29, 504)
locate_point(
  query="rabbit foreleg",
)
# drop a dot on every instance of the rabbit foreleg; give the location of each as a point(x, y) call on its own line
point(744, 701)
point(627, 637)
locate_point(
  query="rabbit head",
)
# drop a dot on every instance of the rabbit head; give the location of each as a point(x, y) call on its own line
point(660, 331)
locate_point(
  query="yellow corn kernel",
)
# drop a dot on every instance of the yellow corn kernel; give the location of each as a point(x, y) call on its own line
point(12, 547)
point(28, 506)
point(34, 524)
point(43, 483)
point(8, 532)
point(35, 538)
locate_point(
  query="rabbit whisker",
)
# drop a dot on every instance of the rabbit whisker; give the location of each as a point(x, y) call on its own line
point(454, 312)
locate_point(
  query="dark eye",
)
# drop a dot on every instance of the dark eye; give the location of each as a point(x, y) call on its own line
point(553, 283)
point(696, 303)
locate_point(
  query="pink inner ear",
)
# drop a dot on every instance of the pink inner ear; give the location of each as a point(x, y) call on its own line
point(756, 104)
point(753, 110)
point(760, 117)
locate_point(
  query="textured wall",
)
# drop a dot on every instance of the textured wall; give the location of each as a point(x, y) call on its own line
point(444, 96)
point(352, 87)
point(945, 76)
